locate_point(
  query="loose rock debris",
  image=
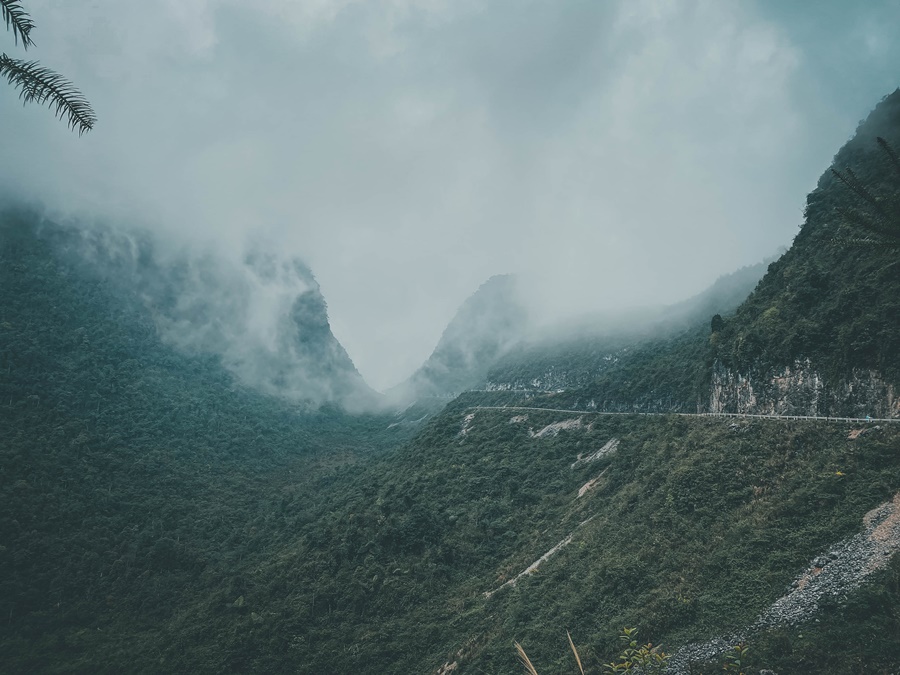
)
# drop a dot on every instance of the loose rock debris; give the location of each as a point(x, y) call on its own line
point(836, 573)
point(553, 429)
point(591, 484)
point(467, 424)
point(609, 447)
point(533, 567)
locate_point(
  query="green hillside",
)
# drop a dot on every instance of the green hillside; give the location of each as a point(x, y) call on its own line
point(830, 303)
point(834, 302)
point(695, 527)
point(132, 475)
point(163, 516)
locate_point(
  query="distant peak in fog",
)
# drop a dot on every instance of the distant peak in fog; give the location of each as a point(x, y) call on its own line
point(486, 326)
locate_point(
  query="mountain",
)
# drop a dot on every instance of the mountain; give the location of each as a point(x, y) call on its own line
point(576, 352)
point(818, 336)
point(821, 333)
point(263, 315)
point(487, 325)
point(133, 473)
point(165, 514)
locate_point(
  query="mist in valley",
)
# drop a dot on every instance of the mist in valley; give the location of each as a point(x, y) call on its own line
point(382, 336)
point(611, 156)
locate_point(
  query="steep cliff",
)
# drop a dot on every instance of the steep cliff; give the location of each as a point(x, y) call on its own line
point(821, 332)
point(799, 390)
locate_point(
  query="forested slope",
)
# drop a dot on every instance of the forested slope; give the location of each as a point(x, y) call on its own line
point(692, 527)
point(819, 334)
point(831, 299)
point(160, 516)
point(133, 476)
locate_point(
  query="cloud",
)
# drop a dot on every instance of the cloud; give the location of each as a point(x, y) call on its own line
point(610, 153)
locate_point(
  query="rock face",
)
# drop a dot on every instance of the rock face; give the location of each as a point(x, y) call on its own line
point(307, 359)
point(799, 390)
point(608, 448)
point(820, 334)
point(552, 379)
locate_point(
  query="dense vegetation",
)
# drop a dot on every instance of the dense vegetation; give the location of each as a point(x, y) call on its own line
point(834, 303)
point(132, 475)
point(833, 298)
point(161, 517)
point(697, 526)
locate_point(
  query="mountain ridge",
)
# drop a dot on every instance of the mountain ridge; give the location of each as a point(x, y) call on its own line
point(485, 327)
point(262, 314)
point(555, 359)
point(162, 516)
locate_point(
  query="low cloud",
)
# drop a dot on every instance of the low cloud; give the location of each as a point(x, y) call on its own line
point(609, 154)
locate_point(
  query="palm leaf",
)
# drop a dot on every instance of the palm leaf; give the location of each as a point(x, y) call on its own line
point(866, 242)
point(18, 21)
point(41, 85)
point(878, 226)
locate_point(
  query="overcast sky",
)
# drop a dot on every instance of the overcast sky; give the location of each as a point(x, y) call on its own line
point(611, 152)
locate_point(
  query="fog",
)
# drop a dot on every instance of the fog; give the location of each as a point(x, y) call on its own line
point(610, 154)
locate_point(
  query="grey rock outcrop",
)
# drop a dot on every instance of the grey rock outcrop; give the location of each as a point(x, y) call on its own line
point(799, 389)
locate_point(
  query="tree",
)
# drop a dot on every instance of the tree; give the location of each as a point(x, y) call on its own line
point(38, 84)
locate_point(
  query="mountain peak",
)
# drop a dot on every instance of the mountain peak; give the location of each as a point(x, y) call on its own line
point(485, 327)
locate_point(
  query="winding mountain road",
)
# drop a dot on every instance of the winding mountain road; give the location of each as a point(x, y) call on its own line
point(662, 414)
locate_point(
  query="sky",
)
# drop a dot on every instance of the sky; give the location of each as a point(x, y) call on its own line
point(611, 153)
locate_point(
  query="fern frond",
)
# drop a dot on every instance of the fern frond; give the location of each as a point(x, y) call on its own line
point(848, 178)
point(18, 21)
point(575, 652)
point(880, 227)
point(523, 657)
point(889, 151)
point(41, 85)
point(866, 242)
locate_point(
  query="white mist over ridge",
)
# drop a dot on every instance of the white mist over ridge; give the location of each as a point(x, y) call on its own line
point(263, 314)
point(618, 154)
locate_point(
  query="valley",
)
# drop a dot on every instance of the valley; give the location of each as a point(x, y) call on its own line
point(196, 478)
